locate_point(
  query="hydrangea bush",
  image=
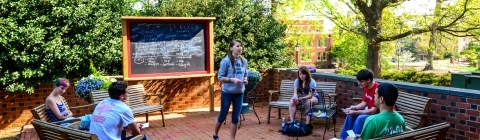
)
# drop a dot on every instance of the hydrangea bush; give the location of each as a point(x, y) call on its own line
point(87, 84)
point(253, 76)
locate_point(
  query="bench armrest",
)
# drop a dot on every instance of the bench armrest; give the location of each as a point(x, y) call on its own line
point(414, 114)
point(82, 106)
point(357, 100)
point(138, 137)
point(159, 95)
point(331, 98)
point(270, 96)
point(67, 121)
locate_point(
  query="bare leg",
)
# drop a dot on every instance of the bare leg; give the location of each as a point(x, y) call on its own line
point(217, 128)
point(309, 104)
point(292, 109)
point(233, 131)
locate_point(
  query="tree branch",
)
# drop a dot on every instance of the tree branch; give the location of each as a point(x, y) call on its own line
point(349, 5)
point(467, 34)
point(385, 3)
point(402, 35)
point(465, 9)
point(342, 25)
point(362, 6)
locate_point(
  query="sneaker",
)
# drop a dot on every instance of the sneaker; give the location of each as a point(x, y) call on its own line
point(310, 126)
point(215, 137)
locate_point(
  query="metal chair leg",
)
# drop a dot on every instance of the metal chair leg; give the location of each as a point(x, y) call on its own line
point(254, 112)
point(163, 119)
point(268, 116)
point(325, 131)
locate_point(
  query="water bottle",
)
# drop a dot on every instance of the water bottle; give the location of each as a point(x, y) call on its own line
point(283, 122)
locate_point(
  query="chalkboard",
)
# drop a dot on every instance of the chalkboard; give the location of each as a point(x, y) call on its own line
point(167, 47)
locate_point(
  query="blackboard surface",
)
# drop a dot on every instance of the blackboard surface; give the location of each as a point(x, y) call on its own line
point(167, 47)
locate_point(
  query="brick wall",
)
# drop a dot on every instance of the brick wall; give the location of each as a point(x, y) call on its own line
point(180, 94)
point(459, 107)
point(15, 107)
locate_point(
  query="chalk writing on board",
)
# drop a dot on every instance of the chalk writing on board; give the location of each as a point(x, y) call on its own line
point(167, 47)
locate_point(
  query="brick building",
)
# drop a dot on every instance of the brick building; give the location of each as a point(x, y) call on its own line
point(321, 43)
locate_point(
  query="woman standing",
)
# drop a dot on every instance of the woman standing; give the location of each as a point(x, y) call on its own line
point(232, 74)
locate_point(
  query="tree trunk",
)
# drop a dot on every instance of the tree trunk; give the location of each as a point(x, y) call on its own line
point(431, 47)
point(374, 52)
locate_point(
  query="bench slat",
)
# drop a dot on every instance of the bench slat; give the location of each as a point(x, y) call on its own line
point(437, 131)
point(47, 130)
point(136, 100)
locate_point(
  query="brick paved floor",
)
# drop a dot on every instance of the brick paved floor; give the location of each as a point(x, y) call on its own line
point(199, 124)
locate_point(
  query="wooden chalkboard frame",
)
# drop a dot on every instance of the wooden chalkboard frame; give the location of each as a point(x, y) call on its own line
point(209, 72)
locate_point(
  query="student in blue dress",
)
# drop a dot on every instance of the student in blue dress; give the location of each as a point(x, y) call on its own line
point(232, 74)
point(303, 93)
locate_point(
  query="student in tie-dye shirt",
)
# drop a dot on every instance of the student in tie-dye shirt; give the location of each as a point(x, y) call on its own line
point(112, 115)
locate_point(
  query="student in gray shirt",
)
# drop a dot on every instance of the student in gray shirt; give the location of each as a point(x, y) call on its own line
point(232, 74)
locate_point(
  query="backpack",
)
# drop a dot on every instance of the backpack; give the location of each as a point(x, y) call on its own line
point(296, 128)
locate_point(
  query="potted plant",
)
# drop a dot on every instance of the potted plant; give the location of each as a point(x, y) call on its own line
point(87, 84)
point(254, 78)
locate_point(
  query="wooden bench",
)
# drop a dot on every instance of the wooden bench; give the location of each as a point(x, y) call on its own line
point(433, 132)
point(136, 100)
point(49, 131)
point(413, 108)
point(39, 113)
point(286, 93)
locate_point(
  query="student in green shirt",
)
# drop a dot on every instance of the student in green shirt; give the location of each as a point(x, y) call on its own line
point(387, 122)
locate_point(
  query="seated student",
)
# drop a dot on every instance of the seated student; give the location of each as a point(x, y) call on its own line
point(388, 121)
point(111, 115)
point(304, 90)
point(357, 114)
point(55, 107)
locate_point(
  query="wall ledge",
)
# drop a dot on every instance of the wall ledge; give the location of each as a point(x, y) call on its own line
point(459, 92)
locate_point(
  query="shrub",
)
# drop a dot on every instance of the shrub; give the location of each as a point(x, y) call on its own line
point(41, 39)
point(253, 76)
point(350, 70)
point(407, 75)
point(87, 84)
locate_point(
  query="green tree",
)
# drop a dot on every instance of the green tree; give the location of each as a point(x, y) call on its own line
point(374, 22)
point(349, 47)
point(41, 40)
point(262, 35)
point(302, 25)
point(472, 54)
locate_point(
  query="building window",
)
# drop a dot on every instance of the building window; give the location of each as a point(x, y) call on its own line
point(321, 43)
point(319, 56)
point(303, 57)
point(325, 42)
point(324, 56)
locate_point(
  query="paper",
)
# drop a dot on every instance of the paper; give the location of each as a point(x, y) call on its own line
point(145, 125)
point(351, 133)
point(323, 114)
